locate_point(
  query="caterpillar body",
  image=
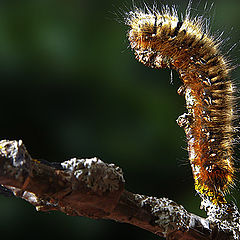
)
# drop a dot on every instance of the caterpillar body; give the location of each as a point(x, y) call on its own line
point(161, 39)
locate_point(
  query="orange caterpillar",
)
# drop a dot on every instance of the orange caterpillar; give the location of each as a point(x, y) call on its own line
point(161, 39)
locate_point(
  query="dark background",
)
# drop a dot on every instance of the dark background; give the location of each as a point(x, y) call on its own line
point(70, 87)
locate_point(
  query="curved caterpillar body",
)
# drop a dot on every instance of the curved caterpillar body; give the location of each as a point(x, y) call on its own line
point(161, 39)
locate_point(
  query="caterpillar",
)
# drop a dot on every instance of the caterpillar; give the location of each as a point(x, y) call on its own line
point(162, 39)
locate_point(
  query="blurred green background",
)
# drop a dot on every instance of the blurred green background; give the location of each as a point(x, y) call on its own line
point(70, 87)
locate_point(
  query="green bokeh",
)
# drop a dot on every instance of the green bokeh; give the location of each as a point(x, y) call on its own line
point(70, 87)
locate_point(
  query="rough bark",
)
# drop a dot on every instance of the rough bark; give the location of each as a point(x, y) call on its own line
point(94, 189)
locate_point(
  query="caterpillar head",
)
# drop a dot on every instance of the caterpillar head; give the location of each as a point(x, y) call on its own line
point(148, 32)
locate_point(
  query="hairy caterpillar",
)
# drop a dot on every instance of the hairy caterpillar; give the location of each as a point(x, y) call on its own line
point(161, 39)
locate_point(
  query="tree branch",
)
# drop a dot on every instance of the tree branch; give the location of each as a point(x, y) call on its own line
point(94, 189)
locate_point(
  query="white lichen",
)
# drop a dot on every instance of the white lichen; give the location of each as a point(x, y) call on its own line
point(14, 150)
point(16, 156)
point(169, 216)
point(226, 217)
point(97, 175)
